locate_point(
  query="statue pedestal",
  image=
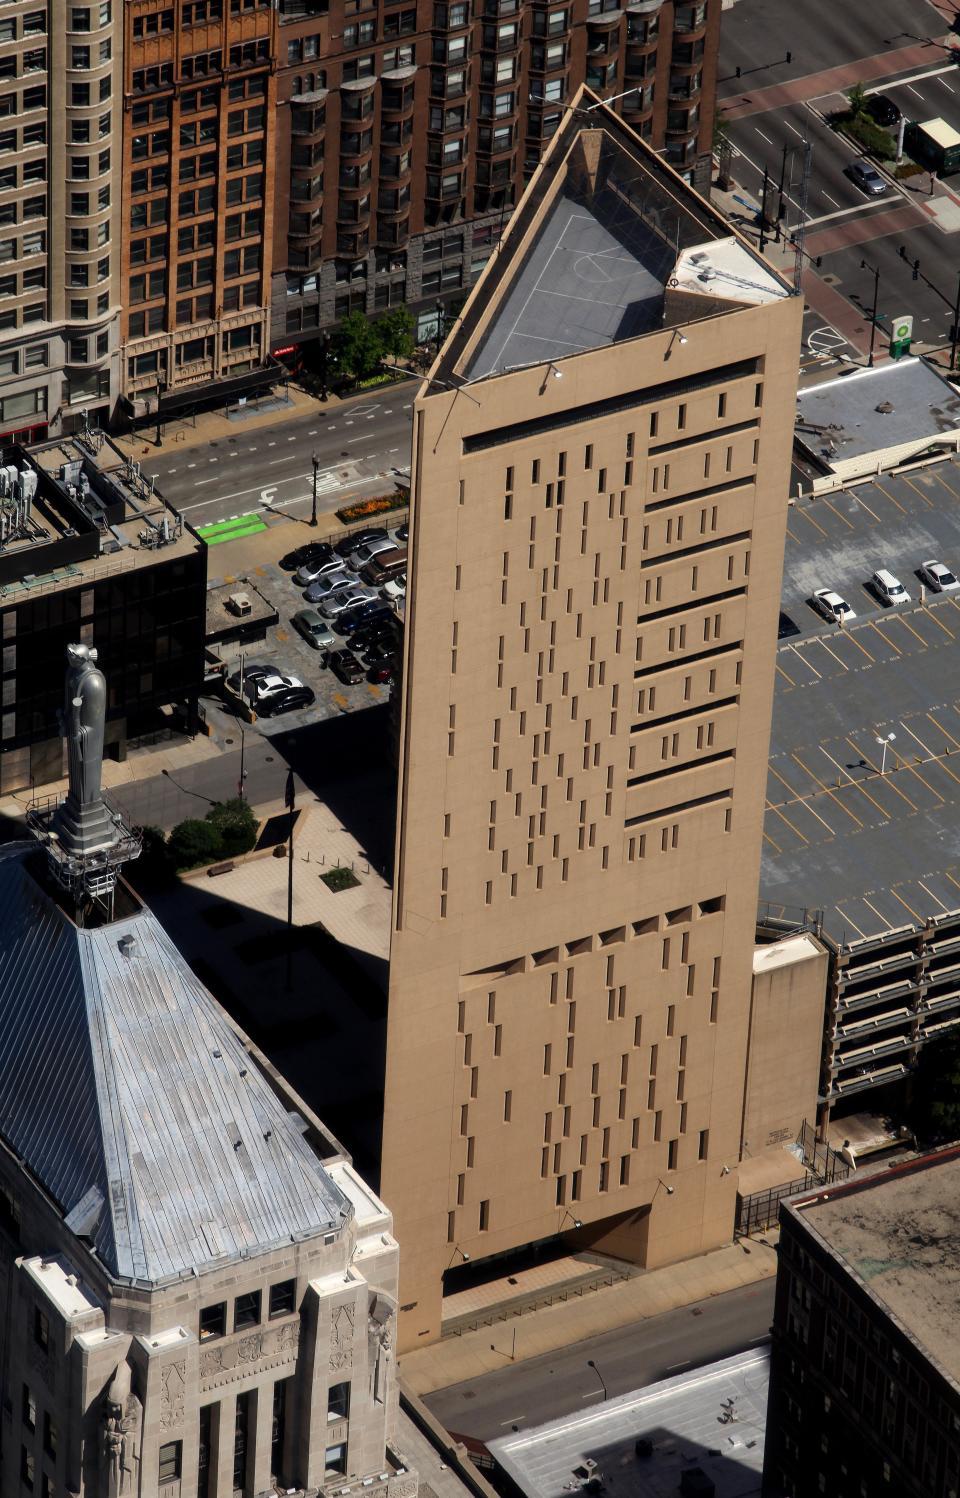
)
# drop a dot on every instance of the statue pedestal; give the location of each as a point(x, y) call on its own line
point(84, 829)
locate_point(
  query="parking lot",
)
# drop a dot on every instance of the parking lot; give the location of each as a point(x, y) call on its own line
point(837, 540)
point(287, 650)
point(868, 832)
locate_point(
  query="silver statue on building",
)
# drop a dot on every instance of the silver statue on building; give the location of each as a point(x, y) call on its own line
point(83, 822)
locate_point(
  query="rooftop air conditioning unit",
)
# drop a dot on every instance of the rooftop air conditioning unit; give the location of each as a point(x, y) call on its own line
point(239, 604)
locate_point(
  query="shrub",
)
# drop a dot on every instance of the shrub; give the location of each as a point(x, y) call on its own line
point(338, 879)
point(236, 826)
point(872, 137)
point(364, 508)
point(194, 842)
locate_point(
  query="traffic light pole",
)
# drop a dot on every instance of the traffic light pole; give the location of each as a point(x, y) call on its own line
point(865, 265)
point(955, 330)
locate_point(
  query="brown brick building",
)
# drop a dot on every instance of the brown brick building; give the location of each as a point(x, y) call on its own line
point(406, 130)
point(198, 169)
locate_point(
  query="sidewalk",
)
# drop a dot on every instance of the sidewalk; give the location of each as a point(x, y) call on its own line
point(216, 426)
point(455, 1359)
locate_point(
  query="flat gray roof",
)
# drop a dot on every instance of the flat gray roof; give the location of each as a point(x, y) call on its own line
point(900, 1236)
point(874, 852)
point(587, 282)
point(921, 404)
point(712, 1418)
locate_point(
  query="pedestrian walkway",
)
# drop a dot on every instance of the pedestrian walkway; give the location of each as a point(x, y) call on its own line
point(217, 425)
point(521, 1336)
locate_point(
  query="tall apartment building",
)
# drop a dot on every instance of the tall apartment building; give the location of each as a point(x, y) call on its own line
point(406, 130)
point(600, 462)
point(198, 164)
point(60, 289)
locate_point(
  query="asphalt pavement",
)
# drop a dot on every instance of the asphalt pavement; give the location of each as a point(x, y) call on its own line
point(544, 1388)
point(354, 442)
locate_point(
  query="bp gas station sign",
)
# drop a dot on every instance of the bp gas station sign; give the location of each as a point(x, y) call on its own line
point(901, 334)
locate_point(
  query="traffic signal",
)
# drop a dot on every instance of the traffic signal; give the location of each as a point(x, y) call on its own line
point(902, 252)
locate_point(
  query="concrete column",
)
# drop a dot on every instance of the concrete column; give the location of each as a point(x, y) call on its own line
point(222, 1437)
point(258, 1438)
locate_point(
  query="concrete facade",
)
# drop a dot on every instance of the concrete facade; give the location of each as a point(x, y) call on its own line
point(586, 706)
point(788, 1005)
point(60, 112)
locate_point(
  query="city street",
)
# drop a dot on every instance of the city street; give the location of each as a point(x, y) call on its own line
point(901, 50)
point(545, 1388)
point(356, 441)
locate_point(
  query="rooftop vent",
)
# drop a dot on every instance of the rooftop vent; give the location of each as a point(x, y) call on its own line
point(128, 945)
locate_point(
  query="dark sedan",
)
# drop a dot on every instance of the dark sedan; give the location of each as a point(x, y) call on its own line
point(313, 551)
point(353, 542)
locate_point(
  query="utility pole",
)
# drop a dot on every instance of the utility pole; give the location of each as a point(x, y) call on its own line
point(781, 208)
point(289, 800)
point(955, 330)
point(316, 465)
point(864, 265)
point(763, 211)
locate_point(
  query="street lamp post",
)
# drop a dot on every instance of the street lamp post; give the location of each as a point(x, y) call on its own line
point(885, 743)
point(158, 439)
point(290, 802)
point(864, 265)
point(313, 513)
point(592, 1364)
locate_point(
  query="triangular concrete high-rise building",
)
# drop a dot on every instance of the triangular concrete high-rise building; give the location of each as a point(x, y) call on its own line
point(599, 498)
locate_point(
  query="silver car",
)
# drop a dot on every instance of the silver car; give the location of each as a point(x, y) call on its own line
point(348, 598)
point(312, 570)
point(865, 175)
point(331, 582)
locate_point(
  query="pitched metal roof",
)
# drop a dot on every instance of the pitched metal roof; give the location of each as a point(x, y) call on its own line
point(128, 1096)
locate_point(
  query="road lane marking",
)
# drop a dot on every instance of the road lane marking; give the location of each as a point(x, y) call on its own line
point(915, 91)
point(762, 136)
point(831, 200)
point(513, 1418)
point(672, 1367)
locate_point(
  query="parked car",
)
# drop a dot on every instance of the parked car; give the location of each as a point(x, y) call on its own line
point(371, 633)
point(264, 687)
point(938, 577)
point(381, 654)
point(253, 673)
point(883, 110)
point(286, 701)
point(335, 604)
point(370, 549)
point(308, 623)
point(321, 567)
point(402, 534)
point(344, 663)
point(371, 608)
point(865, 176)
point(330, 582)
point(889, 589)
point(313, 551)
point(396, 588)
point(381, 673)
point(349, 544)
point(832, 606)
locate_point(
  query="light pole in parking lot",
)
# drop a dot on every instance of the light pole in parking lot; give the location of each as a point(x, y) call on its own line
point(313, 513)
point(885, 743)
point(865, 265)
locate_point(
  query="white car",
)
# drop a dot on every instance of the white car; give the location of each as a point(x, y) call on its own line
point(365, 554)
point(938, 577)
point(889, 589)
point(396, 588)
point(268, 686)
point(832, 606)
point(347, 598)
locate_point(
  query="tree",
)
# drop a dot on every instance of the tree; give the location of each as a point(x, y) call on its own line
point(935, 1107)
point(356, 346)
point(857, 99)
point(236, 826)
point(395, 330)
point(194, 842)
